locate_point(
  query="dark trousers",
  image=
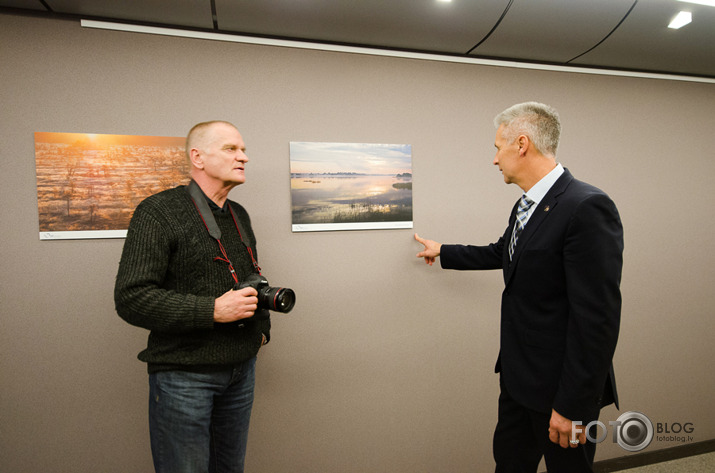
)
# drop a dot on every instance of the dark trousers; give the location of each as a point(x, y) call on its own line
point(521, 438)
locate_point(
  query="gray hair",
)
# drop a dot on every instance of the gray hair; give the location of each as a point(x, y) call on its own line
point(536, 120)
point(199, 134)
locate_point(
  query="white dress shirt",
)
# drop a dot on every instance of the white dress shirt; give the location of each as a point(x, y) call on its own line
point(539, 190)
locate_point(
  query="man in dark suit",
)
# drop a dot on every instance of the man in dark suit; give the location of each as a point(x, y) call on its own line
point(561, 255)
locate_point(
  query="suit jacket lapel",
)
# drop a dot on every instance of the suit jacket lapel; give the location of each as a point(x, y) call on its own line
point(542, 211)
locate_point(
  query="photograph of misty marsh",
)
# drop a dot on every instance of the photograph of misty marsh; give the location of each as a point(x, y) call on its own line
point(88, 182)
point(344, 183)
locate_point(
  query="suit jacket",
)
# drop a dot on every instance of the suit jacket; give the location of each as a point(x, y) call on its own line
point(561, 303)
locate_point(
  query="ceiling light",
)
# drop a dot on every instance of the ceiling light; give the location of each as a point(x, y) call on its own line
point(680, 20)
point(710, 3)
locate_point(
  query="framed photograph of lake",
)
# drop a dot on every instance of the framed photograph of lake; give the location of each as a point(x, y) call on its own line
point(350, 186)
point(88, 185)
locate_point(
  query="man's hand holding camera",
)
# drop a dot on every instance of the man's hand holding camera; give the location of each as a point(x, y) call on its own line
point(253, 296)
point(236, 305)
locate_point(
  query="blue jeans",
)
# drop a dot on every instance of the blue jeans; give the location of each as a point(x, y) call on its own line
point(198, 422)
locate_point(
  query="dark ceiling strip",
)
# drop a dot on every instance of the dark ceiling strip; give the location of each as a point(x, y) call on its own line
point(75, 17)
point(44, 4)
point(606, 37)
point(213, 14)
point(493, 29)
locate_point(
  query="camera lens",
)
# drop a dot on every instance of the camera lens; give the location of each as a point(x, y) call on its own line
point(280, 299)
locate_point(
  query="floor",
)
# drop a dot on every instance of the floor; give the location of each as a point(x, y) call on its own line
point(704, 463)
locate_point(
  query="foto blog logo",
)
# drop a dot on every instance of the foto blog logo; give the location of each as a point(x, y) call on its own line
point(633, 431)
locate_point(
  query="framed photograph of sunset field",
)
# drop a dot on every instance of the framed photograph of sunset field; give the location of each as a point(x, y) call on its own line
point(88, 185)
point(350, 186)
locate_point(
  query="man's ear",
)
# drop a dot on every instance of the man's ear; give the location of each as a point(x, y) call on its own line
point(196, 158)
point(523, 141)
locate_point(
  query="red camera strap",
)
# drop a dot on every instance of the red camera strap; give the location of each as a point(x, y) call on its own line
point(197, 196)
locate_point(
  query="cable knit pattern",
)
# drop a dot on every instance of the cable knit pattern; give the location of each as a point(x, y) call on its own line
point(168, 281)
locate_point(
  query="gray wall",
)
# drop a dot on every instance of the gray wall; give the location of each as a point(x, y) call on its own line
point(386, 364)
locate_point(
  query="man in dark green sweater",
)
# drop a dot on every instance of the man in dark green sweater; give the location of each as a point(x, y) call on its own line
point(176, 280)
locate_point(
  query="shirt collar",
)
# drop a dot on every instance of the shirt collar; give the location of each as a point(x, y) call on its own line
point(213, 205)
point(539, 190)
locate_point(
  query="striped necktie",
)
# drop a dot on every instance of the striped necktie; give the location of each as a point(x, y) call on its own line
point(524, 205)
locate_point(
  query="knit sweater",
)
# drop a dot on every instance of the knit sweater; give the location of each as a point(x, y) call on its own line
point(168, 281)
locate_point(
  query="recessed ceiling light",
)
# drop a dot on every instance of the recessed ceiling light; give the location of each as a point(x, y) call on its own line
point(445, 1)
point(710, 3)
point(680, 20)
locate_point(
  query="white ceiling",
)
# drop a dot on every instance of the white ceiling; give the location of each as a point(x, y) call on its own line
point(612, 34)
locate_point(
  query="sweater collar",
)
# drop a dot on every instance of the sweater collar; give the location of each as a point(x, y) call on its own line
point(213, 205)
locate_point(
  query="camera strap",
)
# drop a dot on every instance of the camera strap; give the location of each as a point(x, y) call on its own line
point(207, 216)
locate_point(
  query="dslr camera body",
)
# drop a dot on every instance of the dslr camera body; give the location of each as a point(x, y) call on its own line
point(279, 299)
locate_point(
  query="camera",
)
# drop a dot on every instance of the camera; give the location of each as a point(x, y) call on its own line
point(279, 299)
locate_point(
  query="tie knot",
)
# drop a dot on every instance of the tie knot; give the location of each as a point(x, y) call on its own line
point(525, 203)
